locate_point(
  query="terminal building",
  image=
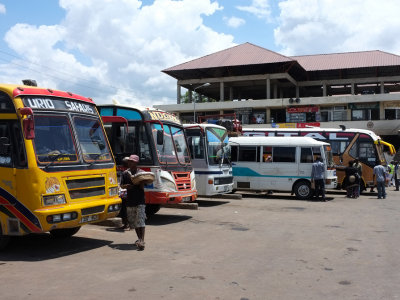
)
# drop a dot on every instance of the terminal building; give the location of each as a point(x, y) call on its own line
point(267, 89)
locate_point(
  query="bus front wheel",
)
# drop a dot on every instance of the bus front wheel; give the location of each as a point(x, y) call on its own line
point(152, 209)
point(303, 190)
point(4, 240)
point(64, 232)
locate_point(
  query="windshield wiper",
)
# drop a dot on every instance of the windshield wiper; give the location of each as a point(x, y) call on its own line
point(54, 158)
point(95, 158)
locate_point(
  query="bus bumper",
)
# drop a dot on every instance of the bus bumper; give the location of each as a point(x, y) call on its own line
point(74, 215)
point(170, 197)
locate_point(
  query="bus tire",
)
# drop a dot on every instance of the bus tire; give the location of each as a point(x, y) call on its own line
point(4, 239)
point(303, 190)
point(64, 232)
point(152, 209)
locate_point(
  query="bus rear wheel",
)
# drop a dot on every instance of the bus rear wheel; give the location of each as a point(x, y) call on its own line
point(152, 209)
point(64, 232)
point(303, 190)
point(4, 240)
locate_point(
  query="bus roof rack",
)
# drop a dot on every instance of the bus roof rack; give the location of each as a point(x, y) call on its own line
point(29, 82)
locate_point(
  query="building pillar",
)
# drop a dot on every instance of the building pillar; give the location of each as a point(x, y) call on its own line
point(190, 96)
point(324, 90)
point(275, 91)
point(268, 88)
point(352, 88)
point(221, 91)
point(382, 88)
point(231, 93)
point(381, 110)
point(297, 91)
point(178, 94)
point(267, 115)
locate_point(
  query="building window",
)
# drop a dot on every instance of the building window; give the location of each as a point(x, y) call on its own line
point(365, 114)
point(278, 115)
point(258, 117)
point(336, 113)
point(392, 114)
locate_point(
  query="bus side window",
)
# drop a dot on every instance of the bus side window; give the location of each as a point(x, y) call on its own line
point(19, 148)
point(5, 146)
point(247, 153)
point(267, 154)
point(284, 154)
point(306, 155)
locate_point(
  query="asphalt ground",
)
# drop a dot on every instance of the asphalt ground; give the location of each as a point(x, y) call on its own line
point(258, 247)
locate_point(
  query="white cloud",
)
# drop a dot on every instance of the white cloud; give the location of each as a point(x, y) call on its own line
point(119, 47)
point(325, 26)
point(234, 22)
point(2, 8)
point(259, 8)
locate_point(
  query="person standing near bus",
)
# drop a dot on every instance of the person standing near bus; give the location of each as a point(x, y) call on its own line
point(318, 177)
point(358, 166)
point(390, 170)
point(380, 174)
point(396, 175)
point(135, 201)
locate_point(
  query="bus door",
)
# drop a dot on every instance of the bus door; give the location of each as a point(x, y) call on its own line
point(306, 161)
point(7, 171)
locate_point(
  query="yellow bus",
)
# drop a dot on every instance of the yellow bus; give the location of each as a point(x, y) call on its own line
point(57, 172)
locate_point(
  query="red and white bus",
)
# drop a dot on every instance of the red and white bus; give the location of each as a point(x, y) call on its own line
point(158, 138)
point(346, 144)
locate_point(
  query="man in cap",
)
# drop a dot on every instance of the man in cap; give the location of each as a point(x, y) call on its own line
point(135, 202)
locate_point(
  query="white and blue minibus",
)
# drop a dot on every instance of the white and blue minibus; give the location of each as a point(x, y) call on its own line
point(279, 164)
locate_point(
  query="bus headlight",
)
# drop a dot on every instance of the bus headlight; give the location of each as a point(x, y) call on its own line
point(113, 191)
point(54, 199)
point(168, 184)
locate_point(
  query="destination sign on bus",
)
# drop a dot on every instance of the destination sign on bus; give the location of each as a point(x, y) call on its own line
point(58, 104)
point(163, 116)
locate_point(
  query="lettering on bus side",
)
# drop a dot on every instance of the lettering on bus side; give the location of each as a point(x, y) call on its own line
point(56, 104)
point(314, 135)
point(156, 115)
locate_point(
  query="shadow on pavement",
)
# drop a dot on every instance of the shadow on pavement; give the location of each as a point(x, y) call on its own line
point(282, 196)
point(210, 203)
point(39, 247)
point(160, 219)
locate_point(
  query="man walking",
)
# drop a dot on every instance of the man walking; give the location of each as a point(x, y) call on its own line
point(318, 177)
point(380, 174)
point(135, 202)
point(396, 175)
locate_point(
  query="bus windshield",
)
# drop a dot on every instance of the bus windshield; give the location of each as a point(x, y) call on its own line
point(218, 149)
point(329, 157)
point(92, 140)
point(55, 143)
point(53, 139)
point(174, 149)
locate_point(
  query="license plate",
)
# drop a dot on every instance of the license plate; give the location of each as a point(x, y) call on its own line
point(186, 199)
point(91, 218)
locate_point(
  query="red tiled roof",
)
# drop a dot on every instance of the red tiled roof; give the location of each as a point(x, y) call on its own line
point(350, 60)
point(240, 55)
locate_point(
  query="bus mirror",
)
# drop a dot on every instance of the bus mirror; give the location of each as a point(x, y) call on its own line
point(160, 137)
point(4, 146)
point(29, 128)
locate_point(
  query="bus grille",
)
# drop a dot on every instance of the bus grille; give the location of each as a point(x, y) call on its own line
point(223, 180)
point(92, 210)
point(86, 187)
point(182, 180)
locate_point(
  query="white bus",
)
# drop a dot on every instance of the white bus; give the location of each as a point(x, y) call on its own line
point(279, 164)
point(209, 150)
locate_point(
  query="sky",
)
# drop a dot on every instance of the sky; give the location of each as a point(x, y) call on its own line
point(116, 49)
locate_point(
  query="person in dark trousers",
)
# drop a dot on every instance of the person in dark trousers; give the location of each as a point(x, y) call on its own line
point(352, 181)
point(123, 195)
point(358, 166)
point(135, 201)
point(318, 176)
point(396, 175)
point(380, 175)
